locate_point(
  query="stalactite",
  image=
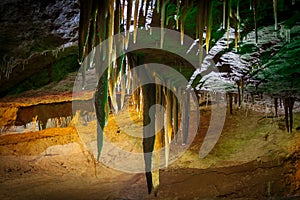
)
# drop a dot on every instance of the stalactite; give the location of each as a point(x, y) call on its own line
point(123, 11)
point(177, 14)
point(182, 22)
point(117, 17)
point(168, 126)
point(86, 24)
point(148, 131)
point(201, 10)
point(159, 118)
point(175, 116)
point(224, 14)
point(186, 113)
point(123, 83)
point(128, 76)
point(101, 97)
point(146, 3)
point(228, 20)
point(135, 22)
point(128, 22)
point(208, 23)
point(100, 33)
point(275, 13)
point(110, 33)
point(111, 60)
point(237, 38)
point(255, 19)
point(158, 6)
point(162, 22)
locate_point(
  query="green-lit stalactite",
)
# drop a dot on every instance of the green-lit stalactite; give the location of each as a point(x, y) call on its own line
point(101, 100)
point(158, 6)
point(275, 14)
point(224, 14)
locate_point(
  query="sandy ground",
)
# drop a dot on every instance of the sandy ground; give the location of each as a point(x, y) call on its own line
point(253, 159)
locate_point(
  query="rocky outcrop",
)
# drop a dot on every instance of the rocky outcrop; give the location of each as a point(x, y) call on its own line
point(31, 33)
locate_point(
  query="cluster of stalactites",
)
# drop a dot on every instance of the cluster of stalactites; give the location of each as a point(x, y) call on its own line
point(111, 14)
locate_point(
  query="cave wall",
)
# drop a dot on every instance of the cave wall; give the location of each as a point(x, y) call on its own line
point(31, 34)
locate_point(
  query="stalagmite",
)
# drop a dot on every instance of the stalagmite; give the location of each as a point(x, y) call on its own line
point(135, 22)
point(275, 14)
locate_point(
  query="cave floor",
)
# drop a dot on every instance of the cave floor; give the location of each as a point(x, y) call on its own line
point(253, 159)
